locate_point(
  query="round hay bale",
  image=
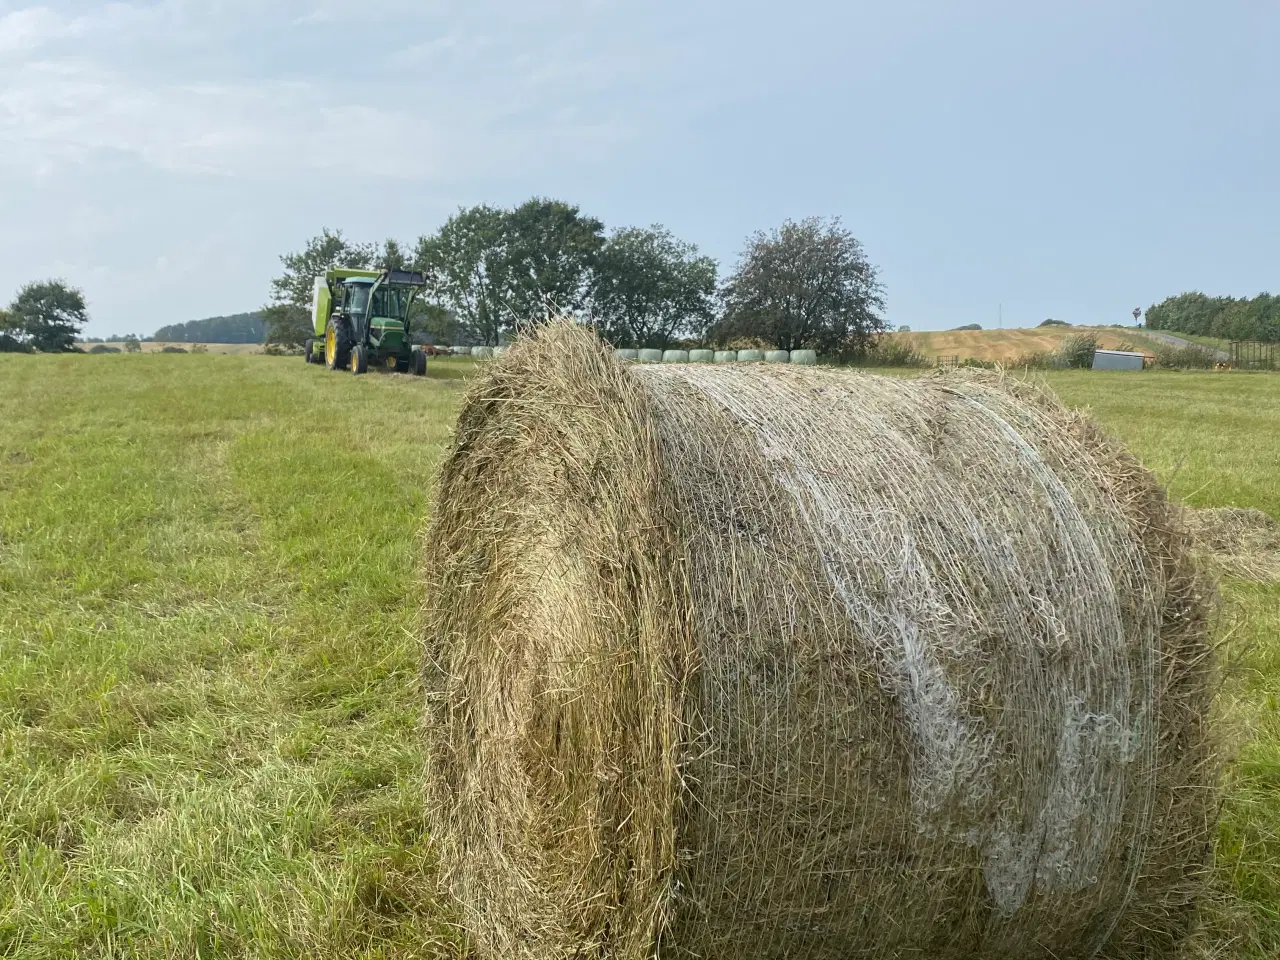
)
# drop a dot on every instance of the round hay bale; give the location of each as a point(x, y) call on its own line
point(806, 357)
point(482, 353)
point(462, 351)
point(797, 662)
point(750, 356)
point(777, 356)
point(702, 356)
point(725, 356)
point(675, 356)
point(627, 353)
point(650, 356)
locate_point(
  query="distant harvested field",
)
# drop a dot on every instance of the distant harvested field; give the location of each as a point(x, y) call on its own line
point(238, 349)
point(1008, 345)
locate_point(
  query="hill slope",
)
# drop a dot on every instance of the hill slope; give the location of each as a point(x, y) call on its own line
point(1005, 346)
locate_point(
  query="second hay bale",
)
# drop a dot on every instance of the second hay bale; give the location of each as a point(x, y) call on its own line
point(783, 662)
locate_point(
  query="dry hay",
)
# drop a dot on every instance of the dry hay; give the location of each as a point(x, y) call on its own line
point(1241, 541)
point(764, 661)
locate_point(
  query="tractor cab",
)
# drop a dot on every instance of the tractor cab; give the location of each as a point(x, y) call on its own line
point(363, 316)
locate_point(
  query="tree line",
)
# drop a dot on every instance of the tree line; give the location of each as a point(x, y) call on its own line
point(237, 328)
point(1256, 318)
point(489, 270)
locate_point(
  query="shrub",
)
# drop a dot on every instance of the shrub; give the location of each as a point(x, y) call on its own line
point(1191, 357)
point(103, 348)
point(173, 350)
point(1077, 351)
point(1054, 323)
point(891, 353)
point(970, 326)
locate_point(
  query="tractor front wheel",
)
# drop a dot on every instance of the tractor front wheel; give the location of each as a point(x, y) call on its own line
point(337, 345)
point(307, 356)
point(359, 358)
point(419, 363)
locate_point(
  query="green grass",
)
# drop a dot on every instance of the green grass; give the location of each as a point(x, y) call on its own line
point(208, 657)
point(1214, 440)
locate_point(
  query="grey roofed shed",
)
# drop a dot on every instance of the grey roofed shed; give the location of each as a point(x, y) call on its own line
point(1116, 360)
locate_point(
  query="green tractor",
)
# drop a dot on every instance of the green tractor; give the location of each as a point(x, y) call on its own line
point(361, 319)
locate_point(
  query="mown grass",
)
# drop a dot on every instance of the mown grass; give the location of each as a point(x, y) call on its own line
point(208, 657)
point(1214, 440)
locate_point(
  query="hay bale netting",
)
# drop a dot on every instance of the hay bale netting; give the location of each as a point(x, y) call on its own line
point(777, 662)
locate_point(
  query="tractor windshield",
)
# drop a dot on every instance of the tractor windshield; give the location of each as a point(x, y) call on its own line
point(357, 298)
point(392, 303)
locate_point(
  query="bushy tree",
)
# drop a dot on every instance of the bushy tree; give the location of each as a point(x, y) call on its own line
point(287, 324)
point(10, 336)
point(131, 344)
point(549, 251)
point(495, 268)
point(330, 249)
point(47, 316)
point(649, 287)
point(461, 262)
point(807, 284)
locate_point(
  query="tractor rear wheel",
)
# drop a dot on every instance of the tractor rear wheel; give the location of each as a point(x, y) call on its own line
point(419, 363)
point(402, 365)
point(359, 358)
point(337, 345)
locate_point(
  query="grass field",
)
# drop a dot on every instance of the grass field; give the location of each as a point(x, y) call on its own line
point(208, 659)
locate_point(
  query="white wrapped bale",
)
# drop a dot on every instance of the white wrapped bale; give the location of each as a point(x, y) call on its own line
point(627, 353)
point(750, 356)
point(482, 353)
point(675, 356)
point(461, 351)
point(725, 356)
point(702, 356)
point(777, 356)
point(805, 357)
point(650, 356)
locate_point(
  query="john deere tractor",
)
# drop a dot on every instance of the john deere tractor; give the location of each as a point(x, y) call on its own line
point(362, 319)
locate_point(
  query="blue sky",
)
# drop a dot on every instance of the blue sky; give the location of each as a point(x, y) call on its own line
point(1067, 159)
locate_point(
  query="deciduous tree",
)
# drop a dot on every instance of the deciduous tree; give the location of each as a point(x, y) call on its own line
point(649, 287)
point(47, 316)
point(807, 284)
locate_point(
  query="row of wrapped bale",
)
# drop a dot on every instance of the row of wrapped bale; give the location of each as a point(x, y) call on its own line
point(794, 662)
point(804, 357)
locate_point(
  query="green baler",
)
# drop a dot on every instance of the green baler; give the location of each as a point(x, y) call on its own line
point(361, 317)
